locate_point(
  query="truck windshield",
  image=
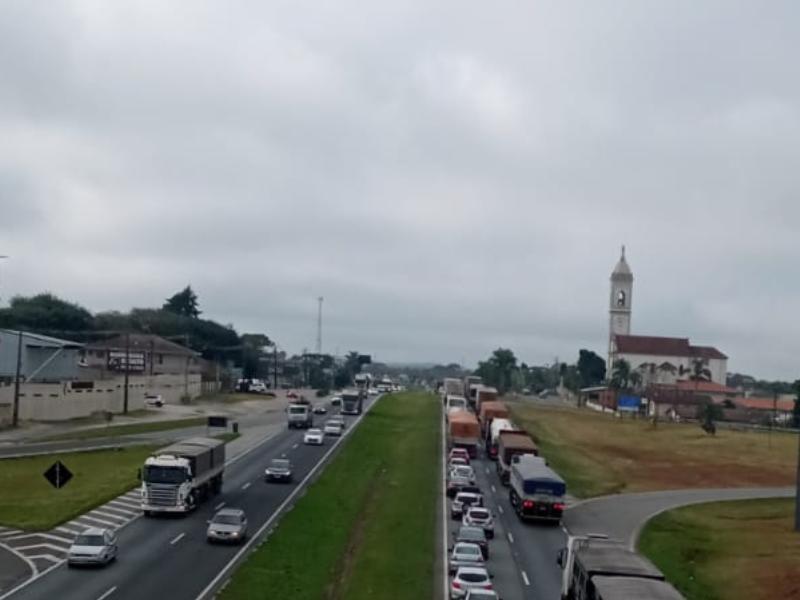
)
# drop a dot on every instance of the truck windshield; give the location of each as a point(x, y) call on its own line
point(164, 475)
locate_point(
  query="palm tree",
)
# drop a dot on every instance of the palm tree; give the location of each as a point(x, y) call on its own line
point(699, 370)
point(636, 380)
point(620, 374)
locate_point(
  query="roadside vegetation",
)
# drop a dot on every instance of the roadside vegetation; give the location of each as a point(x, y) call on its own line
point(29, 502)
point(365, 528)
point(129, 429)
point(744, 550)
point(598, 454)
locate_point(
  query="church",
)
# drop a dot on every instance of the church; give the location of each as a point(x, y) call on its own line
point(658, 360)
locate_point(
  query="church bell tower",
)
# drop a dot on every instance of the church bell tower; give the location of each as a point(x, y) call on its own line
point(620, 303)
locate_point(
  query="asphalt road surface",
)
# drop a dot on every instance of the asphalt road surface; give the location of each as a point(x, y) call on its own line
point(169, 557)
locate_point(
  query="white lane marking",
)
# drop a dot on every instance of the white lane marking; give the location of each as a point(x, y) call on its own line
point(525, 578)
point(487, 470)
point(510, 537)
point(246, 485)
point(178, 538)
point(500, 508)
point(218, 506)
point(46, 536)
point(295, 446)
point(49, 557)
point(49, 546)
point(90, 517)
point(108, 593)
point(494, 489)
point(223, 573)
point(107, 515)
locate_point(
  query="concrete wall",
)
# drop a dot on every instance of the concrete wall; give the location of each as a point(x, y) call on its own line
point(60, 402)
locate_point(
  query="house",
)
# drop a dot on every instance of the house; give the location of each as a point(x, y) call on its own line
point(144, 354)
point(42, 358)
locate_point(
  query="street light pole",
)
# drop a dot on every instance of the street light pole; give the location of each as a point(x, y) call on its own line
point(15, 415)
point(127, 371)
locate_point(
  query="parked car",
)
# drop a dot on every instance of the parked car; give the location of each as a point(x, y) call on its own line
point(459, 452)
point(469, 578)
point(455, 485)
point(373, 391)
point(319, 409)
point(478, 516)
point(280, 469)
point(154, 400)
point(228, 525)
point(473, 535)
point(481, 594)
point(462, 502)
point(93, 547)
point(333, 428)
point(314, 437)
point(465, 554)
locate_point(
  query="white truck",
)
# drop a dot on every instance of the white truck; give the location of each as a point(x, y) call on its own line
point(300, 415)
point(177, 478)
point(498, 425)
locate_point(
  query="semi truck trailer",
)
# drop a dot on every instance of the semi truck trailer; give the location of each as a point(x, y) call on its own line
point(510, 444)
point(536, 492)
point(464, 431)
point(177, 478)
point(352, 402)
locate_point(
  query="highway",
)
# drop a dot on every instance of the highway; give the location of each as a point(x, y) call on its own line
point(168, 557)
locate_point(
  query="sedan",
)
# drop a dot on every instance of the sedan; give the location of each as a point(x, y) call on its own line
point(319, 409)
point(93, 547)
point(333, 428)
point(464, 471)
point(481, 594)
point(228, 525)
point(460, 452)
point(469, 578)
point(154, 400)
point(478, 516)
point(462, 502)
point(473, 535)
point(314, 437)
point(280, 469)
point(465, 554)
point(339, 420)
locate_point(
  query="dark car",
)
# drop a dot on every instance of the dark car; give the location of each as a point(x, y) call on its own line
point(473, 535)
point(280, 469)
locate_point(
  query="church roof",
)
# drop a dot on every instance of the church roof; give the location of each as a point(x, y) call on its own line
point(622, 270)
point(664, 346)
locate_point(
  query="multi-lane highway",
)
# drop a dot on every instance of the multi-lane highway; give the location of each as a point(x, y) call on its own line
point(170, 557)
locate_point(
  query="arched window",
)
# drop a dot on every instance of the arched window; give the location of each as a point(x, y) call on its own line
point(621, 298)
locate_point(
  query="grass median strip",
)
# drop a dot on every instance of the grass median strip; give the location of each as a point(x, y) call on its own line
point(29, 502)
point(744, 550)
point(130, 429)
point(365, 528)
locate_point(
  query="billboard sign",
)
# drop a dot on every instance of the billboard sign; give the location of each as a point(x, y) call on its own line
point(134, 363)
point(629, 403)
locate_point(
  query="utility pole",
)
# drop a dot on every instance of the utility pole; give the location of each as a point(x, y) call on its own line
point(275, 366)
point(127, 372)
point(15, 416)
point(3, 257)
point(319, 325)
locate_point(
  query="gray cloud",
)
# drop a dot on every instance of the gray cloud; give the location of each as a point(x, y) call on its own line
point(450, 178)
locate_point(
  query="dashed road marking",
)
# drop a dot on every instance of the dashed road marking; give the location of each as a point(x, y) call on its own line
point(246, 485)
point(218, 506)
point(177, 538)
point(500, 508)
point(108, 593)
point(525, 578)
point(295, 446)
point(510, 537)
point(494, 489)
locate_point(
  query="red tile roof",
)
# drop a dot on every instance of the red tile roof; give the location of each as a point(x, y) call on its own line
point(664, 346)
point(708, 387)
point(765, 403)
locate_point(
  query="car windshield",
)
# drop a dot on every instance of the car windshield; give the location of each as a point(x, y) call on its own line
point(332, 424)
point(313, 432)
point(471, 533)
point(468, 549)
point(280, 463)
point(227, 520)
point(479, 514)
point(297, 410)
point(154, 474)
point(90, 540)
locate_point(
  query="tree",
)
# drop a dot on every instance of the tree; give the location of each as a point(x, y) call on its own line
point(183, 303)
point(620, 374)
point(636, 380)
point(499, 369)
point(699, 371)
point(591, 368)
point(47, 314)
point(707, 414)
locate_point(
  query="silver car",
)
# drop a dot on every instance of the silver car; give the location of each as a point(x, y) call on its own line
point(93, 547)
point(465, 554)
point(333, 428)
point(478, 516)
point(228, 525)
point(469, 578)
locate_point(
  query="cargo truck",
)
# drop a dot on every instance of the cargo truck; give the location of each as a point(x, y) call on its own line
point(464, 431)
point(510, 444)
point(177, 478)
point(452, 387)
point(536, 492)
point(490, 411)
point(469, 387)
point(497, 427)
point(300, 415)
point(484, 394)
point(352, 402)
point(595, 567)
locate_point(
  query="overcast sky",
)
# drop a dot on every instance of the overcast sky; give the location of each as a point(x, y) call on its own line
point(451, 176)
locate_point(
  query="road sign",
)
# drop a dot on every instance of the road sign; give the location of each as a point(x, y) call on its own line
point(58, 475)
point(217, 421)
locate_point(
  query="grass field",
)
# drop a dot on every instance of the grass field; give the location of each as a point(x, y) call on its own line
point(598, 454)
point(365, 528)
point(28, 501)
point(729, 550)
point(131, 429)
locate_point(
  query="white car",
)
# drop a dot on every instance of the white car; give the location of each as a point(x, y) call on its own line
point(479, 594)
point(469, 578)
point(314, 437)
point(154, 400)
point(333, 428)
point(93, 547)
